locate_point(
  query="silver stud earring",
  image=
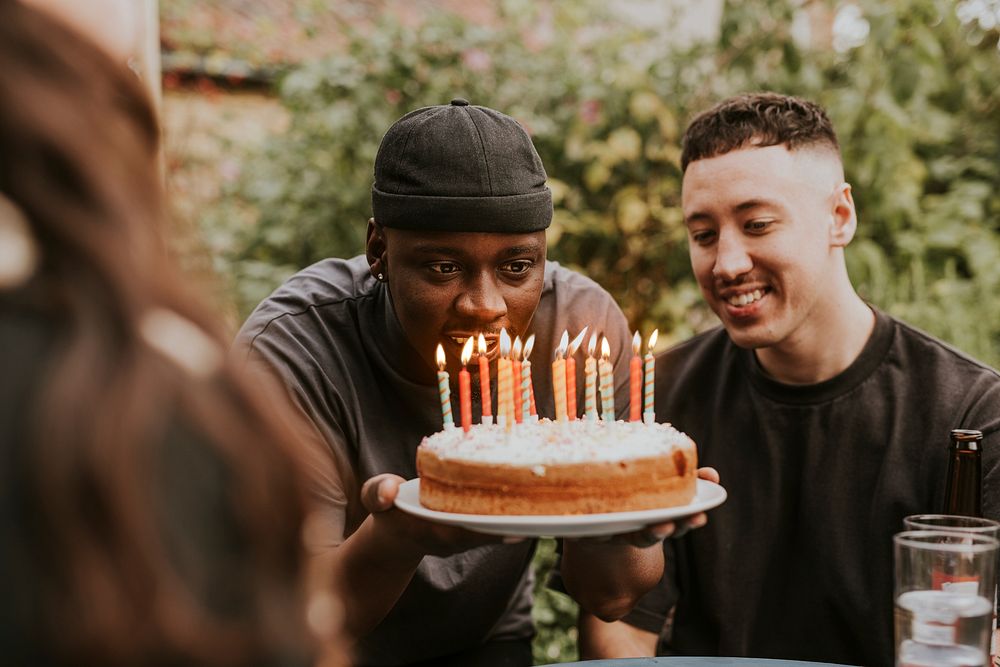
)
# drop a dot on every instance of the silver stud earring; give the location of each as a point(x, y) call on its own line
point(380, 278)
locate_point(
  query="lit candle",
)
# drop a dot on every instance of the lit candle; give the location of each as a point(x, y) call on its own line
point(590, 380)
point(559, 377)
point(484, 381)
point(505, 411)
point(527, 404)
point(648, 414)
point(635, 379)
point(444, 390)
point(465, 386)
point(571, 374)
point(515, 385)
point(607, 383)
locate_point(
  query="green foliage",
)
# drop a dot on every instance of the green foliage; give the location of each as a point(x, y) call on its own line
point(916, 105)
point(554, 613)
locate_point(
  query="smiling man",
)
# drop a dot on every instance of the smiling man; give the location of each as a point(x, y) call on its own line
point(456, 248)
point(827, 418)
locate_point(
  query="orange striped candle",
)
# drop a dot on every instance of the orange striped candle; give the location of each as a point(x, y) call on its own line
point(635, 380)
point(515, 385)
point(559, 377)
point(571, 374)
point(505, 409)
point(484, 381)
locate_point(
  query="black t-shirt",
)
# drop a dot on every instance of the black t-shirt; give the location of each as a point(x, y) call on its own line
point(797, 564)
point(331, 336)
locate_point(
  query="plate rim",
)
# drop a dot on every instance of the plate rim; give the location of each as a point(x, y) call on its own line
point(543, 524)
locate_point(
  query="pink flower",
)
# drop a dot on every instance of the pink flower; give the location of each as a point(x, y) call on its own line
point(476, 60)
point(393, 96)
point(590, 111)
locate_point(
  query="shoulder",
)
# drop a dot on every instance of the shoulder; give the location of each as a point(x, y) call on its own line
point(571, 301)
point(565, 281)
point(708, 345)
point(329, 282)
point(948, 379)
point(920, 346)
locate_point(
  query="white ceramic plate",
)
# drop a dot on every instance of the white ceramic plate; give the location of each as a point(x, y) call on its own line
point(707, 496)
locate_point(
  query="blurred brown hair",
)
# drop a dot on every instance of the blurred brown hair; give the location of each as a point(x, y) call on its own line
point(757, 119)
point(162, 509)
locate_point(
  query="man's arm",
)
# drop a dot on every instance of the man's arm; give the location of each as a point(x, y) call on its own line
point(376, 563)
point(618, 639)
point(607, 577)
point(373, 565)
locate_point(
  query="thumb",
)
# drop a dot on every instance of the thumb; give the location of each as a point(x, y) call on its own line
point(379, 493)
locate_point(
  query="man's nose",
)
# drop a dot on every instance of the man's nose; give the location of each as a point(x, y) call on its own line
point(731, 259)
point(482, 299)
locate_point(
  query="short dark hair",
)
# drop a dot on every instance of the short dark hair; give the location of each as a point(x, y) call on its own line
point(757, 119)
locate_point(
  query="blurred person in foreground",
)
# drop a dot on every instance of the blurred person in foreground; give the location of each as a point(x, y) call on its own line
point(151, 509)
point(456, 248)
point(828, 419)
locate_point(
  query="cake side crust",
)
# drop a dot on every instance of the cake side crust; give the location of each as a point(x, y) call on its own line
point(576, 488)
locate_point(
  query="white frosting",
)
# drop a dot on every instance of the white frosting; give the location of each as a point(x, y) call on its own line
point(547, 442)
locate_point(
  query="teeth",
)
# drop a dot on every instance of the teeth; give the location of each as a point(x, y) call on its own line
point(460, 341)
point(746, 298)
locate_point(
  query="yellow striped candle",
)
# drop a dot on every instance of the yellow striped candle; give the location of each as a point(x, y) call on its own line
point(607, 382)
point(590, 380)
point(444, 389)
point(648, 413)
point(526, 379)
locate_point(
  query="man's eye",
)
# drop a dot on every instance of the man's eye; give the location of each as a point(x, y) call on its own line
point(703, 237)
point(443, 267)
point(757, 225)
point(518, 266)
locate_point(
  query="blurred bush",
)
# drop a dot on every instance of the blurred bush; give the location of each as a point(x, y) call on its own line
point(913, 89)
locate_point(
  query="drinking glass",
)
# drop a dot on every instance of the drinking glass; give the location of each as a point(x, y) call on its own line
point(944, 587)
point(953, 522)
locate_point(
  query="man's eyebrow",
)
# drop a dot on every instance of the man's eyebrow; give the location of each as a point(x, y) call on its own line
point(697, 216)
point(438, 249)
point(525, 249)
point(755, 203)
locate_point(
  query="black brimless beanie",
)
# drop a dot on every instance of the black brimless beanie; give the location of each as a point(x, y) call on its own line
point(460, 168)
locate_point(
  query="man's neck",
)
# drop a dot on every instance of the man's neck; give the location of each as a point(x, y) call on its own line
point(824, 350)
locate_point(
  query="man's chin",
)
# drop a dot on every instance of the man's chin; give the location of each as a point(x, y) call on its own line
point(749, 338)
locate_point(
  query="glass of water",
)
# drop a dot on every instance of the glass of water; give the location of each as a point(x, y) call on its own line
point(953, 522)
point(944, 584)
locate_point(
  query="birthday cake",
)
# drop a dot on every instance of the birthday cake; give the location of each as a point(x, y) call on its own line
point(548, 467)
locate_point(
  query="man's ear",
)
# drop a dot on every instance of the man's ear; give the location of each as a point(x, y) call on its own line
point(375, 249)
point(844, 221)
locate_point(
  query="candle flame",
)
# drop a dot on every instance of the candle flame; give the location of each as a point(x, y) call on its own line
point(575, 344)
point(592, 345)
point(529, 346)
point(504, 343)
point(563, 344)
point(440, 357)
point(652, 340)
point(516, 352)
point(605, 349)
point(636, 343)
point(481, 349)
point(467, 350)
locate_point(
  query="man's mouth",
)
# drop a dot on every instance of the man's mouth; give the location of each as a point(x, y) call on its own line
point(492, 342)
point(746, 298)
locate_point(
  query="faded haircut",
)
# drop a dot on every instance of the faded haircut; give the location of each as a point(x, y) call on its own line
point(757, 119)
